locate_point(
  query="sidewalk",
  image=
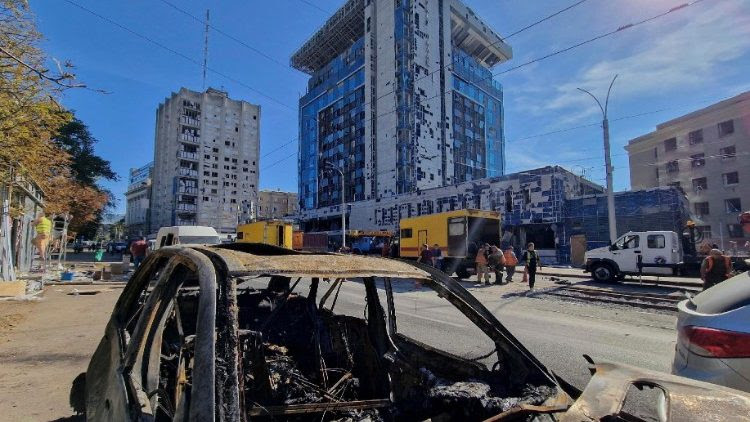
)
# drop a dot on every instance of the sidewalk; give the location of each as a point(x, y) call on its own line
point(650, 279)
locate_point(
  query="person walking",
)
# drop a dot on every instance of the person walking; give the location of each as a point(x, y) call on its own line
point(138, 249)
point(425, 256)
point(43, 227)
point(437, 257)
point(481, 264)
point(497, 263)
point(532, 263)
point(510, 264)
point(715, 269)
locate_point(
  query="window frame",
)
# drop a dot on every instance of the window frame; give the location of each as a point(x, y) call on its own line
point(654, 237)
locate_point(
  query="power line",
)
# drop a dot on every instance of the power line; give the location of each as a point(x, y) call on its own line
point(278, 148)
point(315, 6)
point(491, 75)
point(231, 37)
point(598, 37)
point(173, 51)
point(544, 19)
point(279, 161)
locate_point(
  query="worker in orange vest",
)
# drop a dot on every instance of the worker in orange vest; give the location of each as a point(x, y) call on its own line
point(715, 269)
point(510, 263)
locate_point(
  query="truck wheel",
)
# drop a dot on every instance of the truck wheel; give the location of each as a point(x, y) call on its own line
point(462, 273)
point(603, 273)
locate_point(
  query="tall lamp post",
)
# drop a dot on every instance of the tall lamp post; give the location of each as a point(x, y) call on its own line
point(608, 163)
point(330, 166)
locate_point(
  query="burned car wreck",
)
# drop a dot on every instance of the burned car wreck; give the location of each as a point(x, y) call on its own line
point(239, 332)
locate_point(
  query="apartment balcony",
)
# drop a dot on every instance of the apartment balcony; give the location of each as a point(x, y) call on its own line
point(189, 121)
point(190, 138)
point(187, 172)
point(188, 190)
point(191, 208)
point(188, 155)
point(185, 222)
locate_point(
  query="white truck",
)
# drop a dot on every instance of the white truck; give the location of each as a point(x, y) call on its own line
point(651, 253)
point(657, 252)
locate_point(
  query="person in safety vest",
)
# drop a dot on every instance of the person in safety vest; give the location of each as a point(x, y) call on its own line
point(510, 264)
point(715, 269)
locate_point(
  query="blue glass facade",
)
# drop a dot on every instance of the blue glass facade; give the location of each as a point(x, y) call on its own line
point(478, 137)
point(332, 128)
point(404, 91)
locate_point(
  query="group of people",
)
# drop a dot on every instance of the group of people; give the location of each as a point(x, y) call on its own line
point(490, 259)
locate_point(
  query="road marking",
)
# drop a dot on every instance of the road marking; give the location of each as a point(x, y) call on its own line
point(428, 319)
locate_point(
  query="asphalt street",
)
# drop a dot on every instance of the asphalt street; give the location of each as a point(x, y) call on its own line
point(557, 332)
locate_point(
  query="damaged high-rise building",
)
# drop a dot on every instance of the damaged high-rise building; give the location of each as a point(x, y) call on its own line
point(400, 98)
point(205, 161)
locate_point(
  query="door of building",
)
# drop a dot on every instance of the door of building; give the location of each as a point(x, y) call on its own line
point(577, 250)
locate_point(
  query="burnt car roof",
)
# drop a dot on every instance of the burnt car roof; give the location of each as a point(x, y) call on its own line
point(264, 260)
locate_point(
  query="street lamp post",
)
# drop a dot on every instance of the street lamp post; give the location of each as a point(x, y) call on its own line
point(607, 163)
point(330, 166)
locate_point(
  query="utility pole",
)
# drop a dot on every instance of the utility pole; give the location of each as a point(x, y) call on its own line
point(608, 163)
point(205, 51)
point(330, 166)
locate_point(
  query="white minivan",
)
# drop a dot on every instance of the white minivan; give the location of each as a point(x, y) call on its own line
point(176, 235)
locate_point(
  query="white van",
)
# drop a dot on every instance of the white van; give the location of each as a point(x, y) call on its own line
point(176, 235)
point(660, 252)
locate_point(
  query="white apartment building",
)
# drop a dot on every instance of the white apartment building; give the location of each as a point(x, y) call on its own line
point(707, 154)
point(205, 160)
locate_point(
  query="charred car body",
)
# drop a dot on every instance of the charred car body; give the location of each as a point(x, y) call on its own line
point(245, 331)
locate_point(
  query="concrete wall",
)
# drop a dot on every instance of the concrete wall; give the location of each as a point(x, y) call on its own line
point(652, 164)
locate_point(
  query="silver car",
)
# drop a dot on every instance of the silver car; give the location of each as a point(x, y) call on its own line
point(713, 335)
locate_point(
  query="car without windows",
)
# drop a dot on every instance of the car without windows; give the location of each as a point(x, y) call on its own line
point(243, 331)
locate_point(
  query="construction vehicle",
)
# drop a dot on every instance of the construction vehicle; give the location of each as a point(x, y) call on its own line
point(458, 234)
point(270, 232)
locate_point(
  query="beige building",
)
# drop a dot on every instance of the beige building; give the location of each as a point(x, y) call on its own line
point(205, 161)
point(276, 204)
point(706, 153)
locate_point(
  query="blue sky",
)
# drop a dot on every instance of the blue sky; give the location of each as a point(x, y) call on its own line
point(677, 64)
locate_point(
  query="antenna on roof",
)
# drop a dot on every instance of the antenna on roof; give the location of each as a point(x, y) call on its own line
point(205, 52)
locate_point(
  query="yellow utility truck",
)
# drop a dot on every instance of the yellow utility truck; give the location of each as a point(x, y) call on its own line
point(271, 232)
point(457, 233)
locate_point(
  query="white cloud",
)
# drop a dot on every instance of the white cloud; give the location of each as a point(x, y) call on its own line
point(686, 53)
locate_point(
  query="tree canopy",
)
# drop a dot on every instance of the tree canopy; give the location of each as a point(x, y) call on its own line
point(39, 139)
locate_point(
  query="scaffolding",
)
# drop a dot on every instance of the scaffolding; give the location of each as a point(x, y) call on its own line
point(339, 32)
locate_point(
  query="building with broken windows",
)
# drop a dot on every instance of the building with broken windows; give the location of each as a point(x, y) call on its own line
point(401, 99)
point(561, 212)
point(137, 200)
point(205, 161)
point(704, 153)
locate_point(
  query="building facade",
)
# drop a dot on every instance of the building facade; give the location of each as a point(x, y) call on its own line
point(276, 204)
point(705, 153)
point(562, 213)
point(137, 201)
point(205, 161)
point(400, 99)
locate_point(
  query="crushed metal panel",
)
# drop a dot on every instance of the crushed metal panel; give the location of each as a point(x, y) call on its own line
point(686, 399)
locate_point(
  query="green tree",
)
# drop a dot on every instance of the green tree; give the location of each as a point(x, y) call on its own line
point(30, 116)
point(87, 167)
